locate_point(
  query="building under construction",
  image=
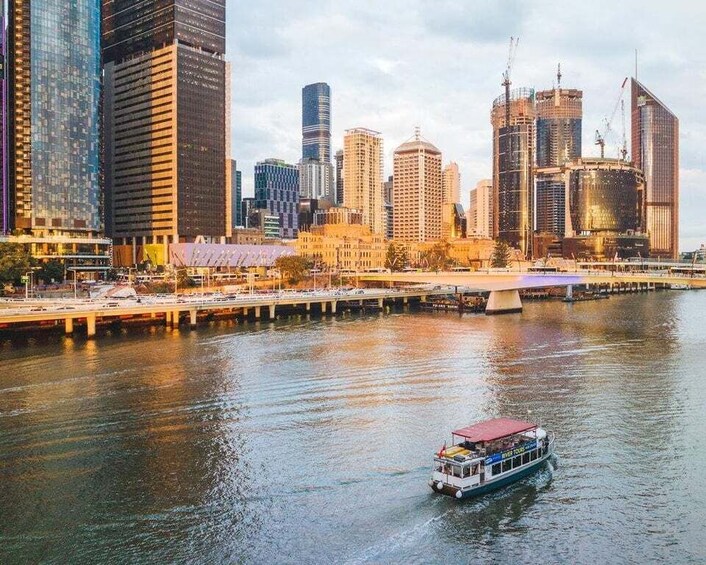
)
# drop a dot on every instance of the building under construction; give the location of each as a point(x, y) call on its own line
point(513, 154)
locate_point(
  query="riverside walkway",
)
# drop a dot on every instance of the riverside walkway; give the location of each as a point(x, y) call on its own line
point(174, 310)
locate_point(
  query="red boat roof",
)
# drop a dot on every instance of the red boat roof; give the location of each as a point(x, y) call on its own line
point(494, 429)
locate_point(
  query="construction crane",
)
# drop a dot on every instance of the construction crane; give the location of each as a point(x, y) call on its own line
point(600, 137)
point(624, 148)
point(506, 77)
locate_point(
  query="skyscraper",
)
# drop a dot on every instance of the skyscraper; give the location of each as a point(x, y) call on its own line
point(54, 102)
point(559, 119)
point(362, 176)
point(513, 180)
point(316, 122)
point(339, 177)
point(655, 150)
point(451, 184)
point(416, 192)
point(167, 168)
point(481, 209)
point(277, 191)
point(4, 185)
point(316, 180)
point(236, 180)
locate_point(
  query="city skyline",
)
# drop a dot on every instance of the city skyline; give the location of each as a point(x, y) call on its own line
point(441, 71)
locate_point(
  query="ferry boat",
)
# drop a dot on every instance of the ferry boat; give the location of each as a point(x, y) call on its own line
point(490, 455)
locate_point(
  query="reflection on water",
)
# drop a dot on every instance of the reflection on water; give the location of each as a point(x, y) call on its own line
point(310, 440)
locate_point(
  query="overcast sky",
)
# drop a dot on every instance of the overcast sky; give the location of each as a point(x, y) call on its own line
point(396, 64)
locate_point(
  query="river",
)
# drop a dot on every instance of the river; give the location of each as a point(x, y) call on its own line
point(310, 441)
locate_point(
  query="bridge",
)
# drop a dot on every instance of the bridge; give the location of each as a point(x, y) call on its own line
point(173, 310)
point(504, 286)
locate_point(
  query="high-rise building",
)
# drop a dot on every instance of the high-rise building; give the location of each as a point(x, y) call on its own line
point(236, 180)
point(451, 184)
point(167, 165)
point(481, 209)
point(389, 207)
point(339, 177)
point(277, 191)
point(655, 150)
point(559, 119)
point(513, 179)
point(316, 180)
point(4, 185)
point(362, 176)
point(54, 107)
point(416, 193)
point(316, 122)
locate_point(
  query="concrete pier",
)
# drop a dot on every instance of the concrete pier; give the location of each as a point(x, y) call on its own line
point(69, 326)
point(91, 325)
point(192, 319)
point(504, 302)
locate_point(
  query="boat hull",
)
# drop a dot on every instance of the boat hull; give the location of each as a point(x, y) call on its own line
point(494, 484)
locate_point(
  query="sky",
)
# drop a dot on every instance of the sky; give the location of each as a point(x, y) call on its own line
point(396, 64)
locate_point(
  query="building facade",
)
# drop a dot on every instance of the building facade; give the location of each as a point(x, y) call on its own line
point(316, 180)
point(387, 188)
point(481, 209)
point(54, 107)
point(513, 175)
point(451, 184)
point(339, 177)
point(655, 150)
point(417, 192)
point(4, 184)
point(166, 120)
point(236, 184)
point(277, 191)
point(316, 122)
point(346, 247)
point(362, 176)
point(559, 128)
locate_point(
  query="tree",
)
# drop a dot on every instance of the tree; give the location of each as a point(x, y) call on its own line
point(437, 258)
point(51, 271)
point(15, 262)
point(293, 267)
point(501, 256)
point(397, 257)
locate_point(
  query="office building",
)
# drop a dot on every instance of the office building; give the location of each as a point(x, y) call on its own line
point(481, 209)
point(513, 124)
point(167, 165)
point(451, 184)
point(655, 150)
point(316, 122)
point(559, 121)
point(362, 176)
point(236, 183)
point(316, 180)
point(4, 184)
point(54, 108)
point(277, 191)
point(339, 177)
point(389, 207)
point(416, 192)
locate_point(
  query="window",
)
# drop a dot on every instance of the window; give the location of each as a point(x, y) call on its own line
point(533, 455)
point(525, 458)
point(496, 469)
point(516, 462)
point(507, 465)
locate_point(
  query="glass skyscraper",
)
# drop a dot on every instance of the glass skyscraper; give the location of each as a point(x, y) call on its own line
point(167, 170)
point(4, 185)
point(277, 191)
point(236, 179)
point(316, 122)
point(54, 107)
point(655, 150)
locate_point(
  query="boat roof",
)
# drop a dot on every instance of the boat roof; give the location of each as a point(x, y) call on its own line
point(494, 429)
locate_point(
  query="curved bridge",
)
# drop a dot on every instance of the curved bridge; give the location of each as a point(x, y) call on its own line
point(504, 287)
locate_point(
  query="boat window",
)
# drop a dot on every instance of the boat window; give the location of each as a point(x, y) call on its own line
point(533, 455)
point(475, 469)
point(496, 469)
point(507, 465)
point(525, 458)
point(517, 461)
point(467, 471)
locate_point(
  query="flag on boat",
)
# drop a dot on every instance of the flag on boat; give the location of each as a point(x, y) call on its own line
point(441, 451)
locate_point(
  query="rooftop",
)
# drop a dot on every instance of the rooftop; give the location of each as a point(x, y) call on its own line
point(494, 429)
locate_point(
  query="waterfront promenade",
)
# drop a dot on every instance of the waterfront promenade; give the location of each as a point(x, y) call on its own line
point(175, 310)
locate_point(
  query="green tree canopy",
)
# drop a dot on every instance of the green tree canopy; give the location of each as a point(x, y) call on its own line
point(397, 257)
point(501, 256)
point(15, 261)
point(51, 271)
point(437, 258)
point(293, 267)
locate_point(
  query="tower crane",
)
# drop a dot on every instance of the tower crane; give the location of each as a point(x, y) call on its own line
point(600, 137)
point(506, 77)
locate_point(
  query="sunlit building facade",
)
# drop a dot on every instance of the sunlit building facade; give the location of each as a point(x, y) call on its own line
point(451, 184)
point(480, 215)
point(277, 191)
point(655, 150)
point(362, 176)
point(417, 192)
point(54, 108)
point(513, 178)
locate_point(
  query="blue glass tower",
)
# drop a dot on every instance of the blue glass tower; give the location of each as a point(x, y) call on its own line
point(55, 127)
point(236, 180)
point(277, 191)
point(316, 122)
